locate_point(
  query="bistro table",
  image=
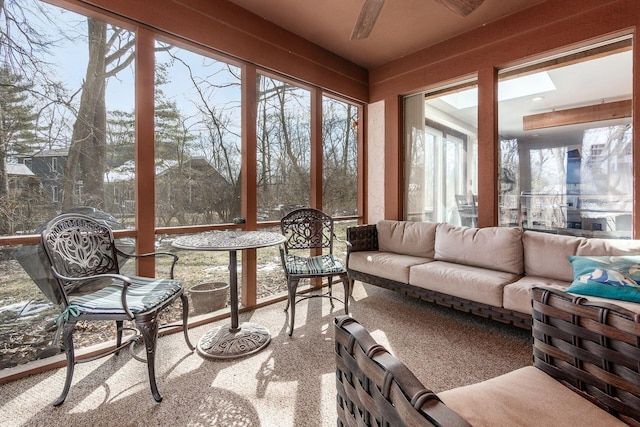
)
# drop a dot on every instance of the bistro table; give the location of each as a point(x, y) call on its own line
point(235, 340)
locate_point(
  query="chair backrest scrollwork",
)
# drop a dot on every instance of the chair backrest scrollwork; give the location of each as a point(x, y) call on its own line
point(79, 246)
point(307, 228)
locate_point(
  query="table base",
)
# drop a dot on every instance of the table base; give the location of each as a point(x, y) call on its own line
point(222, 343)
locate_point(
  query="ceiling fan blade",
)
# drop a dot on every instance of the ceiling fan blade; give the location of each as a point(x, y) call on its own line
point(461, 7)
point(366, 19)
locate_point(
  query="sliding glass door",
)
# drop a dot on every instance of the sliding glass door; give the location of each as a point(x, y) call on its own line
point(441, 156)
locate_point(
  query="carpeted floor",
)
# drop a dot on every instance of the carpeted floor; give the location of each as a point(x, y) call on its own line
point(290, 383)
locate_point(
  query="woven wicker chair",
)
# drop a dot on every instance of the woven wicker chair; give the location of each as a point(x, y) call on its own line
point(591, 347)
point(308, 229)
point(376, 389)
point(84, 262)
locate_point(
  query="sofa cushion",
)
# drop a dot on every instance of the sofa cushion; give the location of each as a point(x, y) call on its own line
point(616, 277)
point(385, 264)
point(495, 248)
point(517, 295)
point(547, 255)
point(407, 237)
point(463, 281)
point(525, 397)
point(611, 247)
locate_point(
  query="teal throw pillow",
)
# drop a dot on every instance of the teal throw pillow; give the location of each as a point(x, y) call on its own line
point(615, 277)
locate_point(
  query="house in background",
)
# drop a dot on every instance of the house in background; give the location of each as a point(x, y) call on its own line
point(187, 191)
point(26, 204)
point(49, 166)
point(21, 178)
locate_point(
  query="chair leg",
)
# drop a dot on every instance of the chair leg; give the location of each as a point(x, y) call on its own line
point(185, 320)
point(330, 286)
point(291, 302)
point(286, 307)
point(346, 281)
point(119, 325)
point(149, 330)
point(67, 342)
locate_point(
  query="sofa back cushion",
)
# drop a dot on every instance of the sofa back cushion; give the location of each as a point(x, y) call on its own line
point(610, 247)
point(496, 248)
point(547, 255)
point(407, 237)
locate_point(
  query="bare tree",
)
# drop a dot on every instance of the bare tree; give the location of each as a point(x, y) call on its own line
point(25, 81)
point(340, 157)
point(110, 51)
point(283, 144)
point(219, 141)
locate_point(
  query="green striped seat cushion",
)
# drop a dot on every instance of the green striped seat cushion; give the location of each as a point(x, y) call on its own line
point(317, 265)
point(143, 294)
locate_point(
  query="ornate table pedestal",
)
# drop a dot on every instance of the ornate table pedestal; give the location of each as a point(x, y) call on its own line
point(225, 342)
point(235, 340)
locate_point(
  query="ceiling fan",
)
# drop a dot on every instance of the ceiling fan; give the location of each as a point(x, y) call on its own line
point(371, 10)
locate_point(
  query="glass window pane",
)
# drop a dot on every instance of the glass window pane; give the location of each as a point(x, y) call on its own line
point(26, 316)
point(198, 138)
point(340, 157)
point(283, 148)
point(66, 124)
point(566, 167)
point(270, 275)
point(441, 156)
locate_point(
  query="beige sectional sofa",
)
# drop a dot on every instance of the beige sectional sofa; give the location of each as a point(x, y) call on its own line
point(487, 271)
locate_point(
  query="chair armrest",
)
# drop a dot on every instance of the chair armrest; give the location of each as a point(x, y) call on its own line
point(347, 243)
point(152, 254)
point(362, 238)
point(374, 385)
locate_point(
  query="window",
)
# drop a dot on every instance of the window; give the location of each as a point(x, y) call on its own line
point(283, 147)
point(441, 156)
point(597, 150)
point(49, 107)
point(566, 167)
point(340, 157)
point(91, 163)
point(198, 138)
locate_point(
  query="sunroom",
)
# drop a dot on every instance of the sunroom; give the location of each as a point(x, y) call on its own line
point(181, 117)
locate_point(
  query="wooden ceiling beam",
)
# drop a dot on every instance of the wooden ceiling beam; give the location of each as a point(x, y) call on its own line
point(572, 116)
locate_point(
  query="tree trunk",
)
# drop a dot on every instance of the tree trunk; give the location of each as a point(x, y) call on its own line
point(88, 145)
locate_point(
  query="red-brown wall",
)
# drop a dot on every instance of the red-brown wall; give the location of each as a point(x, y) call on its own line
point(548, 27)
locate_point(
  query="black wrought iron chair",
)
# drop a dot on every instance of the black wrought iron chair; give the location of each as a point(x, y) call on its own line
point(308, 229)
point(84, 262)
